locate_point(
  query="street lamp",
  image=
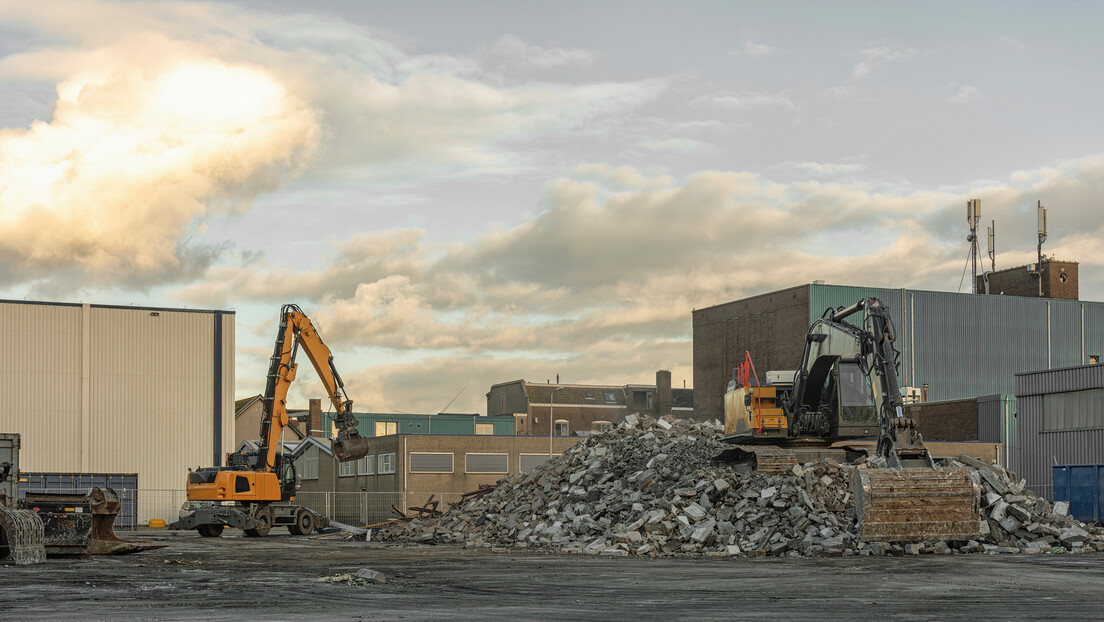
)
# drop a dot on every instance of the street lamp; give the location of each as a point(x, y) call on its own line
point(552, 418)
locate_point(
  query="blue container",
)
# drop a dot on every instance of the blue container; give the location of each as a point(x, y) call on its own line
point(1082, 485)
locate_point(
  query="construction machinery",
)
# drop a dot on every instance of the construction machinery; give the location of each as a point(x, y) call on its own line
point(255, 491)
point(847, 389)
point(37, 525)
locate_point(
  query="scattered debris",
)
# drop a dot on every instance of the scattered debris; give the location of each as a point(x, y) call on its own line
point(364, 576)
point(648, 489)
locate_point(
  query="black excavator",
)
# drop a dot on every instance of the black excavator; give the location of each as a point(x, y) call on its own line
point(847, 389)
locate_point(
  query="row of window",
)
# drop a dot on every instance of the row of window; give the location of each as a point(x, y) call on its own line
point(434, 462)
point(1075, 410)
point(385, 428)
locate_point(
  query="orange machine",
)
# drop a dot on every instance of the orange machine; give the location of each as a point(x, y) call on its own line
point(256, 488)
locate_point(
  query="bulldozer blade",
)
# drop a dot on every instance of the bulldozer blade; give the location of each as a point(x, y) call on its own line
point(916, 505)
point(22, 537)
point(104, 504)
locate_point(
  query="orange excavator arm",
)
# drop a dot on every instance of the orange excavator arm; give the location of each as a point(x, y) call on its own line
point(297, 331)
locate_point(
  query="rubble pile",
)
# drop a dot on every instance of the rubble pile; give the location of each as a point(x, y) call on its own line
point(648, 487)
point(1014, 520)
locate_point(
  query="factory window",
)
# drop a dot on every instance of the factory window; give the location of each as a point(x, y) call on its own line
point(367, 466)
point(486, 463)
point(348, 469)
point(528, 462)
point(610, 397)
point(385, 464)
point(430, 462)
point(307, 466)
point(1075, 410)
point(484, 428)
point(562, 428)
point(1094, 359)
point(383, 428)
point(589, 394)
point(600, 426)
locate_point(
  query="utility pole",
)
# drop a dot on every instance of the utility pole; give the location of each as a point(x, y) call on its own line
point(973, 216)
point(1042, 238)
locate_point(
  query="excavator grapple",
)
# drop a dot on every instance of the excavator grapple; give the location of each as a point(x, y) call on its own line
point(916, 505)
point(22, 536)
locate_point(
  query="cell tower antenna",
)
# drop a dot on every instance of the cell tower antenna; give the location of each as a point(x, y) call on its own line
point(973, 217)
point(993, 246)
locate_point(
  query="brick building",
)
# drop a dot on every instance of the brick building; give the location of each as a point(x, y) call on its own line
point(1050, 279)
point(581, 408)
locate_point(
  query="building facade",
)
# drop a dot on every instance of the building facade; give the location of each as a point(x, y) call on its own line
point(573, 409)
point(957, 345)
point(110, 389)
point(1059, 420)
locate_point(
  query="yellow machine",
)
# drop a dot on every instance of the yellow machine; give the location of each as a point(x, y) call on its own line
point(847, 389)
point(256, 489)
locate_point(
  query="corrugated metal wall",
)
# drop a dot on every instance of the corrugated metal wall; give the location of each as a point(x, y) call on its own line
point(997, 422)
point(1036, 451)
point(114, 389)
point(966, 345)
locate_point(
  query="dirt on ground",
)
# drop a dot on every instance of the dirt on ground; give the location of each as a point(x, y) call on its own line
point(277, 578)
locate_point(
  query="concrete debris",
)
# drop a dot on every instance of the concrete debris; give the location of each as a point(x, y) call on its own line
point(649, 489)
point(364, 576)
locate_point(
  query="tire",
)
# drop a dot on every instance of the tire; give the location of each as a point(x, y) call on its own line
point(210, 531)
point(267, 517)
point(304, 524)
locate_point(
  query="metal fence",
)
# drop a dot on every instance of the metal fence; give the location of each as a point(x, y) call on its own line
point(141, 505)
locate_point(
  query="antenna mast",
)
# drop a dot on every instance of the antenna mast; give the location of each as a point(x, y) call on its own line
point(1042, 238)
point(973, 216)
point(993, 247)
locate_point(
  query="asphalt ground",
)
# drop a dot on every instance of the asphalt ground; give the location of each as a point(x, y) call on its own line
point(276, 578)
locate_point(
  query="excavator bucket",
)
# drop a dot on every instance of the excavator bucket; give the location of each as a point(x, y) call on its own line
point(916, 505)
point(104, 504)
point(22, 536)
point(353, 448)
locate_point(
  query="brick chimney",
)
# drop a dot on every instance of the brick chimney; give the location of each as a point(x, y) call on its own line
point(314, 427)
point(663, 393)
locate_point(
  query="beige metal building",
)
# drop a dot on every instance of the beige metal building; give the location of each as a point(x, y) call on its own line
point(110, 389)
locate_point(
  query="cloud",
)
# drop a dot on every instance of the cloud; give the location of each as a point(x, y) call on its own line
point(963, 94)
point(511, 50)
point(872, 58)
point(1012, 42)
point(744, 100)
point(674, 145)
point(754, 50)
point(824, 169)
point(170, 114)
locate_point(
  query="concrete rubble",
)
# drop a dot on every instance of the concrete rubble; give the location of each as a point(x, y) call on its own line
point(648, 488)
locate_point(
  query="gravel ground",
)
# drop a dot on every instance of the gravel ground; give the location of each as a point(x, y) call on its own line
point(276, 578)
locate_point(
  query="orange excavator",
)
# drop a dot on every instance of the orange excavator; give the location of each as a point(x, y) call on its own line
point(255, 491)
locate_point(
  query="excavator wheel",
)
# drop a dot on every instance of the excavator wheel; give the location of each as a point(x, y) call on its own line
point(210, 531)
point(304, 524)
point(266, 516)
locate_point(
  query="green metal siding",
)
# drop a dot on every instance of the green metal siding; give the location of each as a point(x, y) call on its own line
point(425, 424)
point(966, 345)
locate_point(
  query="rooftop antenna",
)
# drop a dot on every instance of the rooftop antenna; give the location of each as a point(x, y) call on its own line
point(1042, 238)
point(993, 247)
point(973, 216)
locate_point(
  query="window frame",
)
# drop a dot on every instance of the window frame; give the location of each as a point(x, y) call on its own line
point(410, 461)
point(367, 465)
point(485, 426)
point(506, 462)
point(350, 466)
point(389, 459)
point(566, 427)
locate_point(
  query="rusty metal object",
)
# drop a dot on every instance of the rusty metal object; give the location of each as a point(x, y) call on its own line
point(22, 536)
point(916, 505)
point(350, 448)
point(104, 504)
point(428, 510)
point(80, 525)
point(473, 494)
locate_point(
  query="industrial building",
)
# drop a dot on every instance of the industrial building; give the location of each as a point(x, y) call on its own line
point(117, 390)
point(405, 470)
point(952, 346)
point(1059, 420)
point(584, 408)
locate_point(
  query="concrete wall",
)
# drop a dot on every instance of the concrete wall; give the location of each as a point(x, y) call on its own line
point(771, 327)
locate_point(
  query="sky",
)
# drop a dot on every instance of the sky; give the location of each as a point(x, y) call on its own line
point(466, 193)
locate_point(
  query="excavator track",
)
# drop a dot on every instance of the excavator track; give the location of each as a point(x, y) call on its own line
point(916, 505)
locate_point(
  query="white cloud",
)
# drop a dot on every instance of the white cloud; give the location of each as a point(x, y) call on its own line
point(745, 99)
point(674, 145)
point(754, 50)
point(825, 169)
point(513, 51)
point(963, 94)
point(872, 58)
